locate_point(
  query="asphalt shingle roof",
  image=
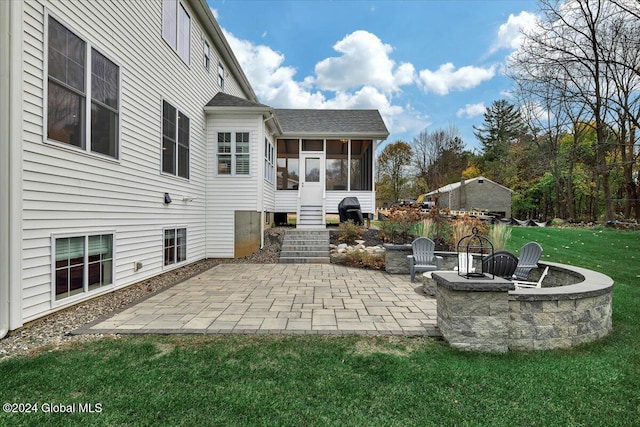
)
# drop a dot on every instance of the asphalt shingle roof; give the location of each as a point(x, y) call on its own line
point(331, 121)
point(307, 121)
point(225, 100)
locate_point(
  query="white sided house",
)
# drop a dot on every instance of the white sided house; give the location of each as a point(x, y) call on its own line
point(132, 143)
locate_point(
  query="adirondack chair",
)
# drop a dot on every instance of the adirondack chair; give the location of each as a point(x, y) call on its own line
point(423, 258)
point(529, 256)
point(502, 264)
point(523, 284)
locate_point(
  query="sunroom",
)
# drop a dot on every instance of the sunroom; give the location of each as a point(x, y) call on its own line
point(323, 156)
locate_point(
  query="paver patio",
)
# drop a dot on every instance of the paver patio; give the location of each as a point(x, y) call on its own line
point(281, 299)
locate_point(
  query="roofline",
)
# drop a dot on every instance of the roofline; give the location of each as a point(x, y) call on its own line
point(353, 135)
point(214, 31)
point(266, 112)
point(229, 109)
point(442, 189)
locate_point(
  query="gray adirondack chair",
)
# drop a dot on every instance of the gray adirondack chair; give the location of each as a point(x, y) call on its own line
point(530, 254)
point(423, 258)
point(523, 284)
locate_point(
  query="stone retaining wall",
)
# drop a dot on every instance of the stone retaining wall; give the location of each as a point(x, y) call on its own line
point(476, 317)
point(561, 316)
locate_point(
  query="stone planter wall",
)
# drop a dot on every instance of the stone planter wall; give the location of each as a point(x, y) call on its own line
point(395, 258)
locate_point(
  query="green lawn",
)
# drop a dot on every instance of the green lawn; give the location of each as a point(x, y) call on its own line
point(359, 381)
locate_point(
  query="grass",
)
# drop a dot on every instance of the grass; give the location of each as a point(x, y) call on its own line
point(318, 381)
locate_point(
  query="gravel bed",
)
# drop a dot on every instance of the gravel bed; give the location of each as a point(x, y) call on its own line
point(53, 331)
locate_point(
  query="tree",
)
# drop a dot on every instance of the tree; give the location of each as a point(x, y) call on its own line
point(393, 162)
point(438, 157)
point(502, 128)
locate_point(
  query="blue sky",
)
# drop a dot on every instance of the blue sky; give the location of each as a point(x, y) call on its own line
point(423, 64)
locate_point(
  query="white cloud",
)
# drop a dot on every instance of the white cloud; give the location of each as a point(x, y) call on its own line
point(215, 12)
point(341, 83)
point(510, 33)
point(364, 61)
point(446, 78)
point(472, 110)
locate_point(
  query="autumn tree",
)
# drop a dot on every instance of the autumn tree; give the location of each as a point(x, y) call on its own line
point(438, 157)
point(393, 164)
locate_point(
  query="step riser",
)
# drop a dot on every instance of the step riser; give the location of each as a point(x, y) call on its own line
point(306, 254)
point(305, 247)
point(305, 260)
point(299, 248)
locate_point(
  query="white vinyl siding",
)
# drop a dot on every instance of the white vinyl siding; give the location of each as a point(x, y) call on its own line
point(229, 193)
point(70, 191)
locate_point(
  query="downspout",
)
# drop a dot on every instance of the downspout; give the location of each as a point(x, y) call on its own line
point(5, 9)
point(10, 165)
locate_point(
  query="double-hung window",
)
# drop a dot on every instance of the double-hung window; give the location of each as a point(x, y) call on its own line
point(82, 264)
point(175, 141)
point(269, 154)
point(176, 28)
point(175, 245)
point(82, 94)
point(207, 55)
point(233, 156)
point(221, 76)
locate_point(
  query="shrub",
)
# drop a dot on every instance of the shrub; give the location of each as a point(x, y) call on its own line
point(463, 226)
point(402, 225)
point(348, 232)
point(499, 235)
point(365, 260)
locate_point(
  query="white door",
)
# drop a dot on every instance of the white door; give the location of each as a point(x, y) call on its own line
point(311, 179)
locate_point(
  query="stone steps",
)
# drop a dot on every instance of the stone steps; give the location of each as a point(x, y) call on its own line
point(305, 246)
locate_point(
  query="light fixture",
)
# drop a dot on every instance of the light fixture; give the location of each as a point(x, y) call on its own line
point(167, 198)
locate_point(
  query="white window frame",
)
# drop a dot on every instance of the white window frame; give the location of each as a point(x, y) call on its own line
point(87, 95)
point(86, 292)
point(269, 161)
point(178, 31)
point(174, 262)
point(177, 141)
point(233, 154)
point(221, 76)
point(206, 47)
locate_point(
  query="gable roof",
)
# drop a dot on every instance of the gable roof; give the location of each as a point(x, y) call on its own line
point(342, 123)
point(225, 100)
point(450, 187)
